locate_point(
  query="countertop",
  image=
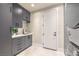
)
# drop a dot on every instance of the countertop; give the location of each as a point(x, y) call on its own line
point(21, 35)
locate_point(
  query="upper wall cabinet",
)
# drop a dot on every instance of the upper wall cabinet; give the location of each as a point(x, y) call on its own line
point(19, 14)
point(26, 15)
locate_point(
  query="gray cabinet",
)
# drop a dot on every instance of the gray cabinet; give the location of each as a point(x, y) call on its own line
point(21, 43)
point(5, 35)
point(9, 19)
point(17, 12)
point(17, 45)
point(26, 16)
point(28, 41)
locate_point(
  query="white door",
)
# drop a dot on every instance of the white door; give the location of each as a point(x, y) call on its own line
point(50, 31)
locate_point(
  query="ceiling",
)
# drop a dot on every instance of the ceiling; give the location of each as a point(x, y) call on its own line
point(38, 6)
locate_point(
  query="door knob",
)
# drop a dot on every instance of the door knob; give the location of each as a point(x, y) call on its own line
point(54, 34)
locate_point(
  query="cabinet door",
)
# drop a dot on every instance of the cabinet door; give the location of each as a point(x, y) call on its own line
point(5, 24)
point(21, 43)
point(24, 42)
point(14, 17)
point(17, 15)
point(26, 15)
point(28, 41)
point(17, 45)
point(14, 47)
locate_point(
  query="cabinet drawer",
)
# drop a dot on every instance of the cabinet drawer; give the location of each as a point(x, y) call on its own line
point(30, 38)
point(17, 40)
point(28, 41)
point(21, 43)
point(19, 49)
point(17, 45)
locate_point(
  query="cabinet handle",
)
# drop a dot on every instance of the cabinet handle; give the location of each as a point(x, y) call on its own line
point(26, 17)
point(17, 24)
point(10, 9)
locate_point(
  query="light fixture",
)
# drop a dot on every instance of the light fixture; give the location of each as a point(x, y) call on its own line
point(32, 5)
point(19, 11)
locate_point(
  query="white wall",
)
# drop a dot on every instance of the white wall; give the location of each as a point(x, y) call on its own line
point(60, 28)
point(24, 27)
point(35, 26)
point(37, 22)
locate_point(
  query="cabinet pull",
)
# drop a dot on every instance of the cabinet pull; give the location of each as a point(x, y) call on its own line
point(10, 9)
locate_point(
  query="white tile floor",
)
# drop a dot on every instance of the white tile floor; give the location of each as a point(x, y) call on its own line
point(36, 50)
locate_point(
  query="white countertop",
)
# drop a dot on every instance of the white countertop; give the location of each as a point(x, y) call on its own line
point(20, 35)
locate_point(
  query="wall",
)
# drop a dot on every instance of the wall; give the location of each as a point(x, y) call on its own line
point(35, 26)
point(24, 27)
point(60, 28)
point(37, 22)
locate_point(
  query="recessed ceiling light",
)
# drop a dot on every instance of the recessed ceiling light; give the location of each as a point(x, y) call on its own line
point(32, 5)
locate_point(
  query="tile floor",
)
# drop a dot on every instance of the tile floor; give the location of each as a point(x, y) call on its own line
point(36, 50)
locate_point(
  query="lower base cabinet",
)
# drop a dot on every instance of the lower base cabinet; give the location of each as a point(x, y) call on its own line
point(21, 43)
